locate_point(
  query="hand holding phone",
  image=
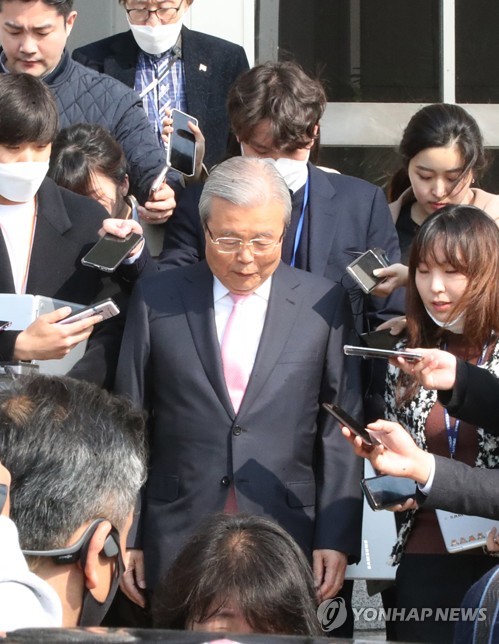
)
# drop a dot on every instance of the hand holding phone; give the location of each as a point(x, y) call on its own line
point(353, 425)
point(108, 253)
point(106, 309)
point(362, 268)
point(158, 181)
point(385, 491)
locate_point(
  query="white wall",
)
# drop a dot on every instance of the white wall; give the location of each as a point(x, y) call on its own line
point(233, 20)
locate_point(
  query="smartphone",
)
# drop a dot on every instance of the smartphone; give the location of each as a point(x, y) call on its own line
point(106, 308)
point(182, 146)
point(383, 491)
point(370, 352)
point(110, 251)
point(380, 339)
point(352, 424)
point(4, 325)
point(362, 268)
point(158, 181)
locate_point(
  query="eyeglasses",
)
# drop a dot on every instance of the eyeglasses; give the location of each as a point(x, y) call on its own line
point(259, 246)
point(165, 15)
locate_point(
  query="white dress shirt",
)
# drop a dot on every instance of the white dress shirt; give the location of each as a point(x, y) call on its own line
point(17, 224)
point(250, 330)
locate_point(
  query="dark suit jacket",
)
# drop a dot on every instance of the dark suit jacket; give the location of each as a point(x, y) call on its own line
point(347, 217)
point(66, 228)
point(206, 90)
point(286, 457)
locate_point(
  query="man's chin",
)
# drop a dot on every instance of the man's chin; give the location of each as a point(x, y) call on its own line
point(32, 68)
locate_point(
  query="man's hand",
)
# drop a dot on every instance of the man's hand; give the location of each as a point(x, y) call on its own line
point(437, 369)
point(198, 137)
point(329, 572)
point(160, 206)
point(44, 339)
point(394, 276)
point(397, 455)
point(133, 582)
point(5, 480)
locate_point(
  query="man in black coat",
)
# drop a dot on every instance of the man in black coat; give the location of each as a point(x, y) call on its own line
point(33, 37)
point(172, 66)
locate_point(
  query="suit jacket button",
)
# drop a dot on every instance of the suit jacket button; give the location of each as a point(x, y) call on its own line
point(225, 481)
point(237, 430)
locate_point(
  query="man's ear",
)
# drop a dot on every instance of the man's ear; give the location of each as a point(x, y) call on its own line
point(98, 570)
point(70, 21)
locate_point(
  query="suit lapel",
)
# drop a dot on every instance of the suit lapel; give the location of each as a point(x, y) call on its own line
point(126, 51)
point(197, 295)
point(198, 73)
point(324, 222)
point(284, 305)
point(52, 223)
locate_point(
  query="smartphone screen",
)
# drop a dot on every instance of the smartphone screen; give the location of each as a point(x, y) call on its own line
point(110, 251)
point(346, 420)
point(182, 146)
point(384, 491)
point(362, 270)
point(370, 352)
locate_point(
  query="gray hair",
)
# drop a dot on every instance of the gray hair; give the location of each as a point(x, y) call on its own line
point(245, 182)
point(75, 453)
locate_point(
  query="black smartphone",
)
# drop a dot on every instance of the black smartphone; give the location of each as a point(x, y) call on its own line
point(379, 339)
point(370, 352)
point(158, 181)
point(110, 251)
point(352, 424)
point(383, 491)
point(106, 308)
point(182, 145)
point(362, 268)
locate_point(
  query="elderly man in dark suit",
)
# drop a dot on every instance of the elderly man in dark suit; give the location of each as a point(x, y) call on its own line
point(233, 357)
point(171, 66)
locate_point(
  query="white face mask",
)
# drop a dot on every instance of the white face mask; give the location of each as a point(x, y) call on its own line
point(293, 171)
point(454, 326)
point(156, 40)
point(20, 182)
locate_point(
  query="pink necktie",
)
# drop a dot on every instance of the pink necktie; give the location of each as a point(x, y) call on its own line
point(236, 373)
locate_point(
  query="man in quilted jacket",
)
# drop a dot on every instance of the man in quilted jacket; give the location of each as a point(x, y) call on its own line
point(33, 35)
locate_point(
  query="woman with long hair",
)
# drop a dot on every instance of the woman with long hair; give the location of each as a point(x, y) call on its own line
point(452, 304)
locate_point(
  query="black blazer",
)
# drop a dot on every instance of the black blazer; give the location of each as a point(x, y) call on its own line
point(66, 228)
point(286, 457)
point(347, 217)
point(211, 65)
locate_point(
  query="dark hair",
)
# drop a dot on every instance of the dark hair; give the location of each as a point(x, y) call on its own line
point(284, 95)
point(249, 559)
point(438, 126)
point(63, 7)
point(469, 241)
point(28, 113)
point(75, 453)
point(80, 150)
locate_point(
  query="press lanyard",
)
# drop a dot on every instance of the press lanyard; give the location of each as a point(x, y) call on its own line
point(299, 229)
point(452, 432)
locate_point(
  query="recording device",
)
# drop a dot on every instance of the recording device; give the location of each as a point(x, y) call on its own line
point(379, 339)
point(383, 491)
point(353, 425)
point(110, 251)
point(4, 325)
point(362, 268)
point(107, 309)
point(158, 181)
point(370, 352)
point(182, 146)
